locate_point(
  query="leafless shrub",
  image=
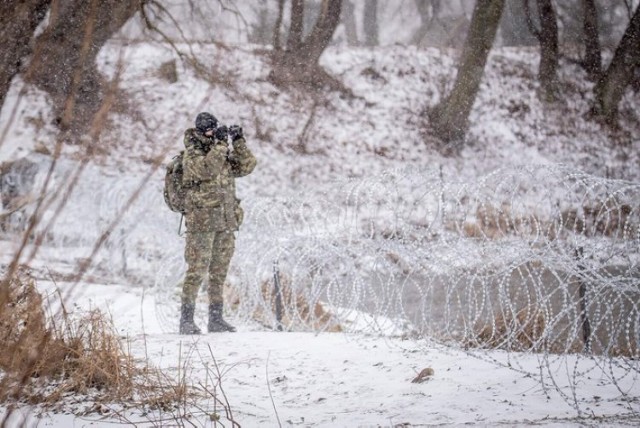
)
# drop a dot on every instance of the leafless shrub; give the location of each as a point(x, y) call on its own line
point(213, 390)
point(45, 359)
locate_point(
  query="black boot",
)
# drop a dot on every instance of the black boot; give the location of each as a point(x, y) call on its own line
point(216, 323)
point(187, 325)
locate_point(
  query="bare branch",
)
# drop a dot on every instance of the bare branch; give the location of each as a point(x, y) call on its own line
point(189, 58)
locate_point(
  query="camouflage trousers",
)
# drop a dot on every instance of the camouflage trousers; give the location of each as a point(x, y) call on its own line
point(207, 252)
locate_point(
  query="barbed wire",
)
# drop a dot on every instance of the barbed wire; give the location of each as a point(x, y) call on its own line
point(533, 261)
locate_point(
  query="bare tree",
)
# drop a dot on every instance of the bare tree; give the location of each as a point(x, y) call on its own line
point(18, 21)
point(548, 37)
point(620, 73)
point(450, 118)
point(63, 63)
point(370, 22)
point(298, 63)
point(593, 57)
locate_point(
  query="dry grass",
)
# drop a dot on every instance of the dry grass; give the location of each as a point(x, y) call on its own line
point(497, 222)
point(298, 311)
point(522, 331)
point(531, 330)
point(46, 359)
point(79, 356)
point(602, 219)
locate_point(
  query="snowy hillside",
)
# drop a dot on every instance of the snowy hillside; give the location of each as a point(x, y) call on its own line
point(367, 219)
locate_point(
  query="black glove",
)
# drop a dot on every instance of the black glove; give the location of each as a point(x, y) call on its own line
point(235, 132)
point(222, 133)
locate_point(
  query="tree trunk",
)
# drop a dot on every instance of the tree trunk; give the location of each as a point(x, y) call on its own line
point(593, 57)
point(370, 22)
point(18, 21)
point(294, 43)
point(620, 73)
point(301, 66)
point(349, 21)
point(450, 118)
point(276, 30)
point(323, 30)
point(547, 72)
point(63, 63)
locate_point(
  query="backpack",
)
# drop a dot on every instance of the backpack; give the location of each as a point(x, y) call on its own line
point(174, 191)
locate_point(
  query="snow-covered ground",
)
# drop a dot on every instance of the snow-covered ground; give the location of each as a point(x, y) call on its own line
point(319, 158)
point(336, 379)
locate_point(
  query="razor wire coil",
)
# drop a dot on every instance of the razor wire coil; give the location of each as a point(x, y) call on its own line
point(529, 260)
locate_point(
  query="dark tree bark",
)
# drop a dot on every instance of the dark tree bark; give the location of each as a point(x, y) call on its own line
point(276, 31)
point(323, 30)
point(593, 56)
point(297, 25)
point(299, 63)
point(349, 21)
point(450, 118)
point(547, 73)
point(620, 73)
point(63, 63)
point(370, 22)
point(547, 37)
point(18, 21)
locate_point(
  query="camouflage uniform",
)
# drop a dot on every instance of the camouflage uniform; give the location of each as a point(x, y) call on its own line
point(213, 212)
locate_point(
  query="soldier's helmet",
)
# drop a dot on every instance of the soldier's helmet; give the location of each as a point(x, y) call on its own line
point(206, 121)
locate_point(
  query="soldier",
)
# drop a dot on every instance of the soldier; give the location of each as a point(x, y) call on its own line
point(212, 213)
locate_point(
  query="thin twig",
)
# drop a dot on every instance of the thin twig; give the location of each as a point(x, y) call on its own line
point(270, 394)
point(226, 405)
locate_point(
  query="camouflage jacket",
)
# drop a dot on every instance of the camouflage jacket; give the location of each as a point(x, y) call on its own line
point(210, 170)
